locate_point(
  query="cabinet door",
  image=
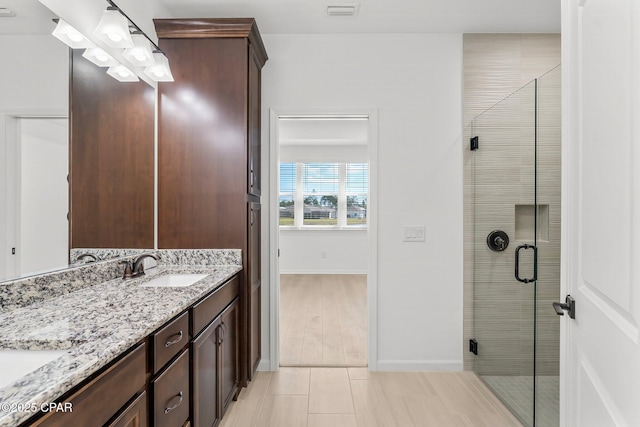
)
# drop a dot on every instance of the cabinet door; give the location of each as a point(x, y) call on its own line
point(134, 415)
point(204, 377)
point(254, 278)
point(229, 354)
point(254, 157)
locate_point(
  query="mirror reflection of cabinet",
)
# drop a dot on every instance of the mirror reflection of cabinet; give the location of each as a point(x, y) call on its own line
point(111, 160)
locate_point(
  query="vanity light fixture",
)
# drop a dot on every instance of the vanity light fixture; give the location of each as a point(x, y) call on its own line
point(122, 73)
point(141, 53)
point(160, 71)
point(100, 57)
point(70, 36)
point(113, 29)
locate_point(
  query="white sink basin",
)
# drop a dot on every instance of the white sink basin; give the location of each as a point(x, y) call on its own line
point(174, 280)
point(18, 363)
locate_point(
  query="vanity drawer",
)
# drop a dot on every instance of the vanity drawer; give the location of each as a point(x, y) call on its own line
point(206, 310)
point(95, 403)
point(171, 394)
point(169, 340)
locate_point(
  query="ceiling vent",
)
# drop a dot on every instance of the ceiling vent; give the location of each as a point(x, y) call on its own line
point(5, 12)
point(343, 9)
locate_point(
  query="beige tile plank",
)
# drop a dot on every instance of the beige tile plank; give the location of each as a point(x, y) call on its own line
point(330, 391)
point(280, 410)
point(245, 411)
point(332, 420)
point(290, 381)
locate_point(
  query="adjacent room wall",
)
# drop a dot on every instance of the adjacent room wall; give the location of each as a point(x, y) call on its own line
point(496, 65)
point(323, 252)
point(414, 82)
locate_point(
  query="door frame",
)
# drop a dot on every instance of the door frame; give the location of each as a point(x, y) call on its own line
point(274, 231)
point(9, 179)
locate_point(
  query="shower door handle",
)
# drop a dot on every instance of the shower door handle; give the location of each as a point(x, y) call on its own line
point(535, 263)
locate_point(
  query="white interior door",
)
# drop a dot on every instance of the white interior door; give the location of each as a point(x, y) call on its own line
point(43, 193)
point(601, 212)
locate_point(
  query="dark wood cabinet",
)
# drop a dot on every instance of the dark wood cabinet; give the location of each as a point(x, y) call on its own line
point(254, 169)
point(255, 281)
point(215, 356)
point(96, 402)
point(209, 150)
point(204, 380)
point(134, 415)
point(169, 340)
point(228, 360)
point(171, 394)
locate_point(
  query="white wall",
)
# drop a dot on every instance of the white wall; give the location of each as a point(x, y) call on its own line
point(323, 252)
point(34, 80)
point(415, 83)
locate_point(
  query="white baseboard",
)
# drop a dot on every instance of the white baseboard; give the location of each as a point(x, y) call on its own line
point(323, 272)
point(420, 365)
point(264, 365)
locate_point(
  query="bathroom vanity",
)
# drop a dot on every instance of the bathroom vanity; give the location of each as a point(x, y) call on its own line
point(161, 349)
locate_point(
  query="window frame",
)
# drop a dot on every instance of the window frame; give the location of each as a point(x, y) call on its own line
point(299, 195)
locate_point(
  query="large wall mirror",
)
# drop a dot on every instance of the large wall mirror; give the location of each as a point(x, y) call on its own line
point(93, 161)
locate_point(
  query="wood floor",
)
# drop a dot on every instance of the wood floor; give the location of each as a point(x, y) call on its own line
point(323, 320)
point(354, 397)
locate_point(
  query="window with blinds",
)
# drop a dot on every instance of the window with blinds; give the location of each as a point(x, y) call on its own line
point(357, 187)
point(288, 179)
point(332, 195)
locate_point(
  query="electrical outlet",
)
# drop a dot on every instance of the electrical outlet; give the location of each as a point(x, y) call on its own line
point(414, 233)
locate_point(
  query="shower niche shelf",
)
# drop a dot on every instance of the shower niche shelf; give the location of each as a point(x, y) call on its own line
point(525, 222)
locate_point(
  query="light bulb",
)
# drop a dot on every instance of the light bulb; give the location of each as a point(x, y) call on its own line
point(76, 37)
point(158, 71)
point(115, 37)
point(123, 73)
point(102, 57)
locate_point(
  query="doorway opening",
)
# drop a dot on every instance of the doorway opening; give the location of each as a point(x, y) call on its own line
point(323, 237)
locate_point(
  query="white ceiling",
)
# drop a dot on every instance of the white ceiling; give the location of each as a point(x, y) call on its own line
point(31, 17)
point(309, 16)
point(383, 16)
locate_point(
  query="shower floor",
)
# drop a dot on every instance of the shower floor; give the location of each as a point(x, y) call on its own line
point(516, 393)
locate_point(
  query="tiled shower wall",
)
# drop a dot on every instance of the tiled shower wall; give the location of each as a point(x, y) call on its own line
point(496, 65)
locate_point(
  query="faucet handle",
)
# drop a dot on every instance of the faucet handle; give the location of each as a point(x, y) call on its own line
point(128, 269)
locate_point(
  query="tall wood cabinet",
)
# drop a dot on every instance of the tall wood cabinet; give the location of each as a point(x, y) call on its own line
point(209, 151)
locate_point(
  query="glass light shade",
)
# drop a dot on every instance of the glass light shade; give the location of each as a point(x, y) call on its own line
point(100, 57)
point(113, 29)
point(160, 72)
point(70, 36)
point(122, 73)
point(140, 54)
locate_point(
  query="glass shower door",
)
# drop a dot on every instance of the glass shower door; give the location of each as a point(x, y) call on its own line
point(505, 221)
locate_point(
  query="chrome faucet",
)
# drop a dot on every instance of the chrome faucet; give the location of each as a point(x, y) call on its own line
point(138, 264)
point(135, 268)
point(82, 257)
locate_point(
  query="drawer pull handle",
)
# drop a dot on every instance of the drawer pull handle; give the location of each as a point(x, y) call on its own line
point(171, 408)
point(175, 341)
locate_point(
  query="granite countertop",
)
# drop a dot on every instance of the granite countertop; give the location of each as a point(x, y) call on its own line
point(93, 325)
